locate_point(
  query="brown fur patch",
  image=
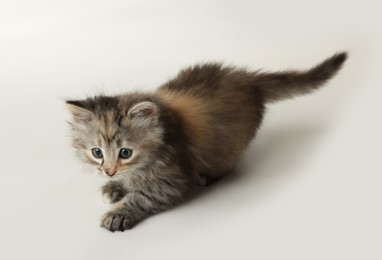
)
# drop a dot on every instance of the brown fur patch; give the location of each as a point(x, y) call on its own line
point(191, 111)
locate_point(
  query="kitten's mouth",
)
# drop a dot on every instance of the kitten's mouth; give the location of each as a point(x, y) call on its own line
point(113, 176)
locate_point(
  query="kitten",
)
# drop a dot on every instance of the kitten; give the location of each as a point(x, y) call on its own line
point(155, 147)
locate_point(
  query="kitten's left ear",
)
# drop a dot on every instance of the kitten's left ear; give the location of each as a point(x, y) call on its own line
point(79, 113)
point(146, 112)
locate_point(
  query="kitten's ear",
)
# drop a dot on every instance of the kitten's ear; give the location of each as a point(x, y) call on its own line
point(79, 113)
point(145, 111)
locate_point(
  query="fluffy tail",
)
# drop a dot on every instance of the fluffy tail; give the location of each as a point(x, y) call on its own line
point(282, 85)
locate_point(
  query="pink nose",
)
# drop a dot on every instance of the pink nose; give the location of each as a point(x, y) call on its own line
point(110, 171)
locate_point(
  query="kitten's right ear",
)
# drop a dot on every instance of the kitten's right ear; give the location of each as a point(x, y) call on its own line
point(79, 113)
point(144, 112)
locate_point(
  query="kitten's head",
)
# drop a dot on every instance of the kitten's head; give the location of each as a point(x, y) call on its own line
point(118, 134)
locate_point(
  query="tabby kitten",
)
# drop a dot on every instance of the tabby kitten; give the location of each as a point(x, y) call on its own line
point(155, 147)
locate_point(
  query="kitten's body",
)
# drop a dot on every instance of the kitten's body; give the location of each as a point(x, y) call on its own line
point(192, 130)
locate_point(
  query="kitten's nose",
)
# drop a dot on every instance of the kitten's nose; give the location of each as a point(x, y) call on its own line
point(111, 171)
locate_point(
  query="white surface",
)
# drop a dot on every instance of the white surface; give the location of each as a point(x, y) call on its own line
point(312, 189)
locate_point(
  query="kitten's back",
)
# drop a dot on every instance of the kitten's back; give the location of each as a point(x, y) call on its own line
point(219, 110)
point(221, 107)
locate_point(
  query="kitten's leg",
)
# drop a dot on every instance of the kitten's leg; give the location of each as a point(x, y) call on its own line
point(138, 205)
point(207, 180)
point(113, 191)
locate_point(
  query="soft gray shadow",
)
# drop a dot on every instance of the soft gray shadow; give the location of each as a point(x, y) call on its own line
point(278, 150)
point(271, 155)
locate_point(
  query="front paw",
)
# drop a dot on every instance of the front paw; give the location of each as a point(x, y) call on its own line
point(113, 192)
point(117, 220)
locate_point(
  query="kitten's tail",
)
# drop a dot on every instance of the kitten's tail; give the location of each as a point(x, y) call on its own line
point(282, 85)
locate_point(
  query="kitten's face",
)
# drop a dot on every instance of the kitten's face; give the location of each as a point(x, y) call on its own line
point(115, 139)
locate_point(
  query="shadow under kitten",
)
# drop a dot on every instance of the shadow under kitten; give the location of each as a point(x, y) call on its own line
point(279, 151)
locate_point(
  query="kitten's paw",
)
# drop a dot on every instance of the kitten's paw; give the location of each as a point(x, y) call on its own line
point(113, 192)
point(117, 220)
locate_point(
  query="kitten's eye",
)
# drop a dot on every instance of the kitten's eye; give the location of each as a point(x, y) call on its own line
point(125, 153)
point(97, 153)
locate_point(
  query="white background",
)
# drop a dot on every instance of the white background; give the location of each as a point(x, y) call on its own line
point(312, 185)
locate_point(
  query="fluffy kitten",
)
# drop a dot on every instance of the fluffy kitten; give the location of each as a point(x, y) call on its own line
point(154, 147)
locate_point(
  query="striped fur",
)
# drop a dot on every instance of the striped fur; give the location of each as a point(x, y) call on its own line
point(191, 130)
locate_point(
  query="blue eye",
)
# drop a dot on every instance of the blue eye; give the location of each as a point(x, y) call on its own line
point(125, 153)
point(97, 153)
